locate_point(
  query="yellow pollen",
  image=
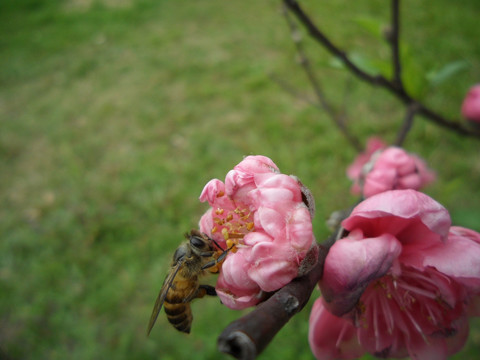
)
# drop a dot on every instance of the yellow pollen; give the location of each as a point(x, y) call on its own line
point(219, 221)
point(245, 217)
point(220, 194)
point(233, 225)
point(231, 245)
point(214, 269)
point(225, 233)
point(235, 235)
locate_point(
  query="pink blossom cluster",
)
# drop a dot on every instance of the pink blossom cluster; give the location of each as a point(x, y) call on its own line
point(402, 283)
point(262, 214)
point(382, 168)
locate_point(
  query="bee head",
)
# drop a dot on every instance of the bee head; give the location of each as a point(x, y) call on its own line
point(200, 243)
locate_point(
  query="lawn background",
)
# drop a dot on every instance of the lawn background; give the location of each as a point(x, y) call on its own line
point(115, 113)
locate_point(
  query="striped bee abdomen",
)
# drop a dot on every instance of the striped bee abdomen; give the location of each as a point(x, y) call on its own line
point(177, 307)
point(179, 315)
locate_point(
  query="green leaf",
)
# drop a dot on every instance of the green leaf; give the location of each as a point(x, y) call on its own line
point(373, 26)
point(438, 77)
point(371, 66)
point(413, 76)
point(336, 63)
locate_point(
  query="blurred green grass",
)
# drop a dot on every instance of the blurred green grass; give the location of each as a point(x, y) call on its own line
point(114, 114)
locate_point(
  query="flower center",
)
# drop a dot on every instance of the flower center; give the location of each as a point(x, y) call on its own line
point(415, 302)
point(233, 225)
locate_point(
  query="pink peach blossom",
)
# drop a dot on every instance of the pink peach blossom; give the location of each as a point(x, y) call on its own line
point(260, 212)
point(390, 169)
point(357, 169)
point(402, 283)
point(471, 104)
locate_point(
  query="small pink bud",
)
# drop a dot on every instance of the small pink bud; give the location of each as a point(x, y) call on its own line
point(388, 168)
point(471, 104)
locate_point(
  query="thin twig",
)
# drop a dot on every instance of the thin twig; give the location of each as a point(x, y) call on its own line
point(305, 63)
point(288, 88)
point(407, 124)
point(394, 40)
point(377, 80)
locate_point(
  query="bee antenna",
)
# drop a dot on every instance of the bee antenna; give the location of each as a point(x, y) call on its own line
point(217, 245)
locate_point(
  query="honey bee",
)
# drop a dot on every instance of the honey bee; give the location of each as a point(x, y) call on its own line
point(181, 284)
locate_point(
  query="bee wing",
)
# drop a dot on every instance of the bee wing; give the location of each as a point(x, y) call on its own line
point(167, 284)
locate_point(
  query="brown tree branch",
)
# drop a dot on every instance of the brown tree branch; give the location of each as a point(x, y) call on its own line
point(247, 337)
point(376, 80)
point(394, 41)
point(407, 124)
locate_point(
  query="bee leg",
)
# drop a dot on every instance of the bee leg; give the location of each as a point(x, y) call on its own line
point(205, 290)
point(210, 290)
point(209, 264)
point(222, 256)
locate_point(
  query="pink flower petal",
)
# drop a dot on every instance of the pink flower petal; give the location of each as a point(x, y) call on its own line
point(279, 181)
point(245, 172)
point(386, 212)
point(299, 229)
point(271, 221)
point(411, 181)
point(214, 189)
point(331, 337)
point(271, 274)
point(256, 237)
point(254, 164)
point(237, 299)
point(396, 158)
point(235, 269)
point(373, 144)
point(456, 342)
point(419, 349)
point(425, 173)
point(278, 198)
point(344, 281)
point(471, 104)
point(378, 181)
point(459, 257)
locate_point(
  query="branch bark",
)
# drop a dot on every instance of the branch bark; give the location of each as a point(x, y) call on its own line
point(394, 40)
point(407, 124)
